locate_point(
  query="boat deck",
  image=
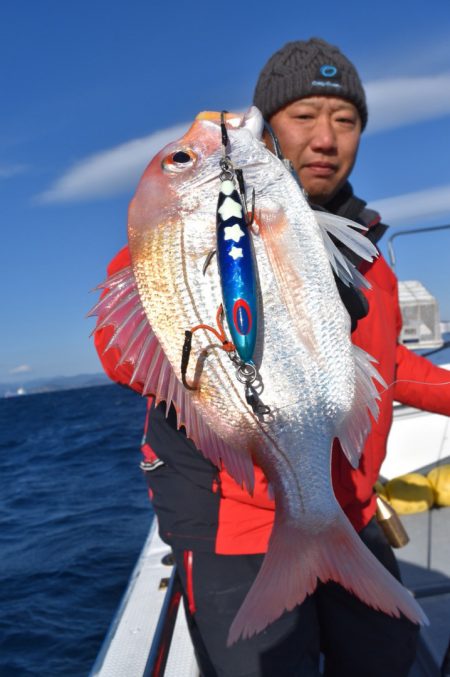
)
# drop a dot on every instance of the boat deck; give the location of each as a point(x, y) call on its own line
point(126, 649)
point(425, 569)
point(418, 442)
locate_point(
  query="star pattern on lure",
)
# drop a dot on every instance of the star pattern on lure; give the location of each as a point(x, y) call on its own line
point(236, 253)
point(230, 208)
point(233, 232)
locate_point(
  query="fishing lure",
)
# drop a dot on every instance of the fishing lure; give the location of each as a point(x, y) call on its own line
point(236, 259)
point(238, 279)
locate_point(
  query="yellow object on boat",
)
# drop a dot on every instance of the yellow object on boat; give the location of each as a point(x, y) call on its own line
point(410, 493)
point(380, 489)
point(439, 479)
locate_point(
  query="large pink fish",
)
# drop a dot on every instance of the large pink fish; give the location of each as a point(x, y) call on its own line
point(317, 385)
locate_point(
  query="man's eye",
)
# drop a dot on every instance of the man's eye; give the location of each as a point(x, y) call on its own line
point(346, 121)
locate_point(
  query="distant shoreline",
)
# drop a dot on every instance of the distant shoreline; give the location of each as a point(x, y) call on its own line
point(51, 385)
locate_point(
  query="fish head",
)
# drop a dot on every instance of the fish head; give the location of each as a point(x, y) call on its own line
point(181, 183)
point(172, 221)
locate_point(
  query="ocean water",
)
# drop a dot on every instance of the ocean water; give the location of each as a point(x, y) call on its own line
point(74, 513)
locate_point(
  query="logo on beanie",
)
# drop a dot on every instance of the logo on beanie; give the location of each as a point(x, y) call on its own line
point(331, 75)
point(328, 71)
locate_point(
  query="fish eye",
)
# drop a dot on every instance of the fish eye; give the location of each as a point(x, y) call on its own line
point(181, 157)
point(179, 160)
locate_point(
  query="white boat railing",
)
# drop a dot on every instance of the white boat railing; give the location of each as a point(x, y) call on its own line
point(159, 650)
point(409, 231)
point(422, 327)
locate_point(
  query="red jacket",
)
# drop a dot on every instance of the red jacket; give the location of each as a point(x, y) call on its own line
point(244, 521)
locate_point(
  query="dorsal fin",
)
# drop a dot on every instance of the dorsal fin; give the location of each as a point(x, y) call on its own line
point(344, 231)
point(121, 307)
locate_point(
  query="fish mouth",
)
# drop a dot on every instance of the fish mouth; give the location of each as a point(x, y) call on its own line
point(234, 119)
point(252, 120)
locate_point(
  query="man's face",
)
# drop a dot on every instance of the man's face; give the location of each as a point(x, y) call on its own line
point(320, 136)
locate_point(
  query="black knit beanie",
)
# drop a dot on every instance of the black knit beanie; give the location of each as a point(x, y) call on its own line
point(308, 68)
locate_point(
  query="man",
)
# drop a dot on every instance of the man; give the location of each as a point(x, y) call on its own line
point(313, 98)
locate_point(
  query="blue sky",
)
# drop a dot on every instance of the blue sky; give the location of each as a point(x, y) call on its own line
point(91, 90)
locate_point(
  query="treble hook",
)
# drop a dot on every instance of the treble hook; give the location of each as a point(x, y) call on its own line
point(240, 179)
point(208, 260)
point(223, 128)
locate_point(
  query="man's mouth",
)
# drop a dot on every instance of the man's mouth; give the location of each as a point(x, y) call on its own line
point(322, 169)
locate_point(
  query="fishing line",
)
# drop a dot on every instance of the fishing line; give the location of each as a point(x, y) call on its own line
point(405, 380)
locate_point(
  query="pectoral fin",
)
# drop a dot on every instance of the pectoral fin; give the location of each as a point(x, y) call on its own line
point(120, 307)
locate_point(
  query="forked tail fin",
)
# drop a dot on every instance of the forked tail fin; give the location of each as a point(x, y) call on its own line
point(296, 560)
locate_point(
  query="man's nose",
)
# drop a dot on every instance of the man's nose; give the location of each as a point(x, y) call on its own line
point(324, 136)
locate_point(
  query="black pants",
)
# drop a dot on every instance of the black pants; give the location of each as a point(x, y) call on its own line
point(356, 640)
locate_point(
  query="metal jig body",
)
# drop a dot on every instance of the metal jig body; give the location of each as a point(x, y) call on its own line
point(236, 259)
point(237, 272)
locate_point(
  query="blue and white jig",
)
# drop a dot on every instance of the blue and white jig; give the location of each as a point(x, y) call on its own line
point(238, 279)
point(236, 262)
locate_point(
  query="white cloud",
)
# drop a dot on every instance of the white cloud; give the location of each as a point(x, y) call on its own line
point(402, 101)
point(401, 58)
point(392, 103)
point(21, 369)
point(413, 207)
point(7, 171)
point(112, 171)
